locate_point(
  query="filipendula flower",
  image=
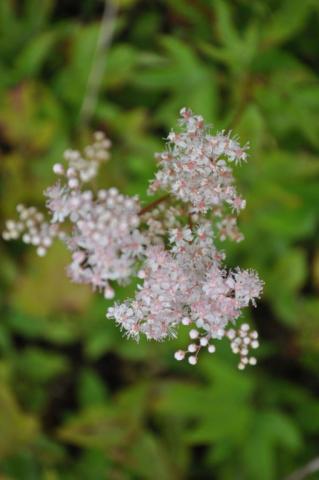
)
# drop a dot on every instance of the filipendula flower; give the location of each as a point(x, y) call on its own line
point(169, 244)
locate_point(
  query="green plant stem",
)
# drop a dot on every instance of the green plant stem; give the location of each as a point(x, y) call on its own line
point(305, 471)
point(99, 61)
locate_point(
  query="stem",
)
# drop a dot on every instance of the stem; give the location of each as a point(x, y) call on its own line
point(98, 63)
point(246, 96)
point(154, 204)
point(305, 471)
point(190, 221)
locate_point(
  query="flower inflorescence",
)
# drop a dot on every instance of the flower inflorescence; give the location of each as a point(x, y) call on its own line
point(169, 245)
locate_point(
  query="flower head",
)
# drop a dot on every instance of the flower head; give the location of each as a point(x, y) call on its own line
point(196, 166)
point(169, 246)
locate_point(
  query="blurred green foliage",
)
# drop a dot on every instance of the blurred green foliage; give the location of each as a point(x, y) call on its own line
point(77, 401)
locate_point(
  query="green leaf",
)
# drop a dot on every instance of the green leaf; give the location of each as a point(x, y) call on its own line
point(31, 59)
point(149, 451)
point(40, 366)
point(31, 294)
point(286, 21)
point(97, 427)
point(120, 64)
point(226, 29)
point(286, 277)
point(18, 430)
point(183, 75)
point(91, 389)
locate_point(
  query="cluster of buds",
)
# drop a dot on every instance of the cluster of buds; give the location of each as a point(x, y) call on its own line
point(198, 341)
point(241, 342)
point(33, 229)
point(83, 167)
point(168, 244)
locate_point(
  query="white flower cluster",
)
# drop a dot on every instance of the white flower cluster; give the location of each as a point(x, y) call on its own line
point(196, 168)
point(187, 285)
point(33, 229)
point(159, 221)
point(242, 340)
point(83, 167)
point(105, 240)
point(101, 229)
point(64, 201)
point(168, 243)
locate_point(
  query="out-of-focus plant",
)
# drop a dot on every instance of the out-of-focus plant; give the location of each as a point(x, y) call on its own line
point(78, 401)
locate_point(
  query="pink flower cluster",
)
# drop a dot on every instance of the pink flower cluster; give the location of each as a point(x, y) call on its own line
point(196, 169)
point(105, 240)
point(187, 285)
point(168, 244)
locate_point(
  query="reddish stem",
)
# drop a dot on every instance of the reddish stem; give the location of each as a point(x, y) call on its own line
point(154, 204)
point(190, 221)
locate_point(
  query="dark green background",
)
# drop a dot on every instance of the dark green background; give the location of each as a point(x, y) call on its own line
point(78, 401)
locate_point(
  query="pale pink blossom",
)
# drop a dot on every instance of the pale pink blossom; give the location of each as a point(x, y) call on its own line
point(169, 245)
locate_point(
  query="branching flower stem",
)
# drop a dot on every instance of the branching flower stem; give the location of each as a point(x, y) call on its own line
point(154, 204)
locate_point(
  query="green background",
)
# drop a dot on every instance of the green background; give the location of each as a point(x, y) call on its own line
point(78, 401)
